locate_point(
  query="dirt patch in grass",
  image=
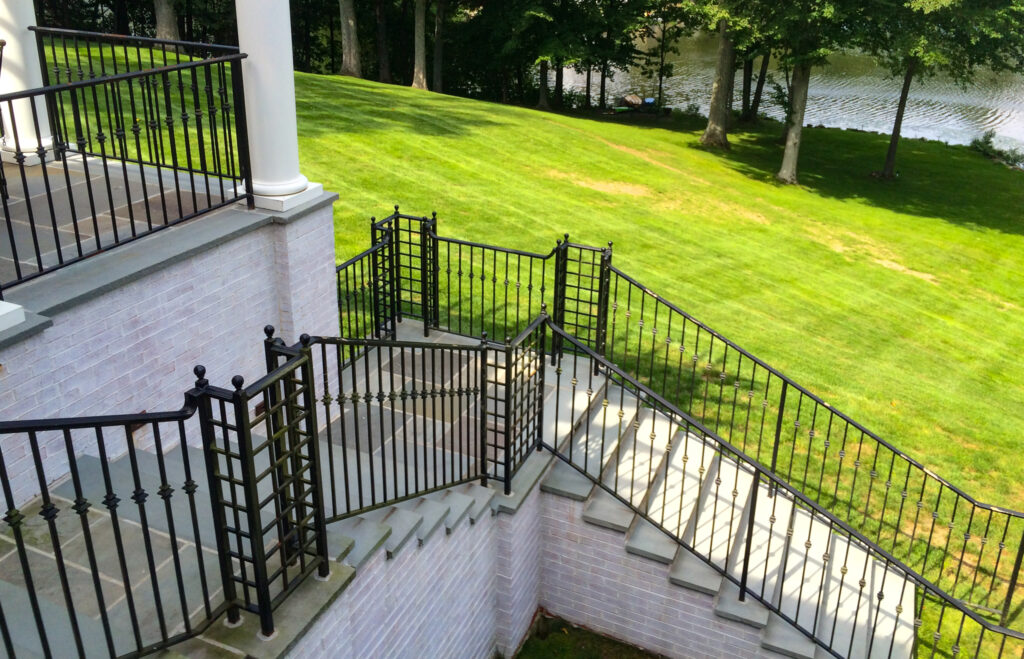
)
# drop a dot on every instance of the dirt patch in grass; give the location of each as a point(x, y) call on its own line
point(554, 638)
point(608, 187)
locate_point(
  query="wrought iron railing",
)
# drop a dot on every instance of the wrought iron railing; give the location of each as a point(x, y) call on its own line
point(132, 533)
point(746, 508)
point(970, 550)
point(129, 136)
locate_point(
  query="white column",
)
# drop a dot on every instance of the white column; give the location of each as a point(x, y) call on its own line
point(265, 36)
point(20, 72)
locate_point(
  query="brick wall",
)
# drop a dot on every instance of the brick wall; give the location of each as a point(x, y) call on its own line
point(133, 348)
point(430, 601)
point(476, 592)
point(588, 578)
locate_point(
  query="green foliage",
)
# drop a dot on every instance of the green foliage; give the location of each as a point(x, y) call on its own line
point(986, 146)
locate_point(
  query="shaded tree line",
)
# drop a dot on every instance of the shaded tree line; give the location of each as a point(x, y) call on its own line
point(509, 50)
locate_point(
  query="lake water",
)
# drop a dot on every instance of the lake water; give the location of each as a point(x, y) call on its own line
point(852, 91)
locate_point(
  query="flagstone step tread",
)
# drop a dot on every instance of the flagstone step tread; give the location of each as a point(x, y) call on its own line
point(691, 572)
point(779, 636)
point(432, 513)
point(728, 605)
point(367, 537)
point(482, 497)
point(528, 475)
point(403, 524)
point(596, 441)
point(458, 504)
point(647, 540)
point(338, 544)
point(603, 509)
point(565, 481)
point(291, 620)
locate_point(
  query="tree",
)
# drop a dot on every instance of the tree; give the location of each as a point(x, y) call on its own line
point(350, 64)
point(166, 20)
point(440, 9)
point(419, 70)
point(920, 38)
point(383, 56)
point(668, 22)
point(803, 33)
point(717, 132)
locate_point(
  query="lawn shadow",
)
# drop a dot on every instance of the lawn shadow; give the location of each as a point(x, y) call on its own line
point(948, 182)
point(326, 105)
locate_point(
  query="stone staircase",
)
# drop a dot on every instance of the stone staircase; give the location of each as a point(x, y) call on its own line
point(697, 504)
point(625, 456)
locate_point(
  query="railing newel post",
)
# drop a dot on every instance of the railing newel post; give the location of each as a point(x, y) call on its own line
point(510, 420)
point(542, 366)
point(208, 433)
point(483, 410)
point(313, 439)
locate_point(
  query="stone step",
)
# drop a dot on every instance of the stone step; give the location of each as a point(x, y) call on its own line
point(640, 452)
point(779, 636)
point(772, 515)
point(676, 493)
point(565, 481)
point(691, 572)
point(459, 506)
point(647, 540)
point(603, 509)
point(802, 577)
point(367, 537)
point(596, 440)
point(853, 620)
point(482, 498)
point(432, 513)
point(566, 405)
point(403, 525)
point(715, 522)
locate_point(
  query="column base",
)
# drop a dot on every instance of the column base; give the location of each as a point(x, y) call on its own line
point(9, 154)
point(282, 203)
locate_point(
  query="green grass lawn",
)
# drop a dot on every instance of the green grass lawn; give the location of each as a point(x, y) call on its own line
point(900, 303)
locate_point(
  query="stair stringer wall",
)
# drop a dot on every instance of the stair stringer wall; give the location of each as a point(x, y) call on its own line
point(588, 578)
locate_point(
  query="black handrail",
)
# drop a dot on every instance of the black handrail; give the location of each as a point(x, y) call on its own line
point(109, 37)
point(791, 383)
point(777, 482)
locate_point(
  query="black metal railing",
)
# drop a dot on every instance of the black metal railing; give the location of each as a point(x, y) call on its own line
point(129, 136)
point(132, 533)
point(971, 550)
point(400, 419)
point(110, 510)
point(761, 533)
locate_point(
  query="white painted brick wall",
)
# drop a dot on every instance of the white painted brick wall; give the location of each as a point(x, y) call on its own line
point(588, 578)
point(476, 591)
point(134, 348)
point(430, 601)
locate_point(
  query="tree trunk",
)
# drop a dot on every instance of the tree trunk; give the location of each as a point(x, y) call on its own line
point(166, 20)
point(383, 57)
point(439, 45)
point(586, 102)
point(716, 134)
point(542, 100)
point(798, 103)
point(350, 65)
point(121, 23)
point(661, 67)
point(748, 80)
point(419, 69)
point(890, 158)
point(602, 102)
point(559, 85)
point(756, 103)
